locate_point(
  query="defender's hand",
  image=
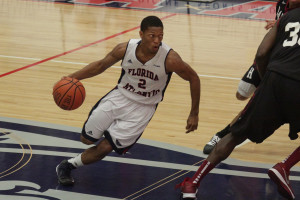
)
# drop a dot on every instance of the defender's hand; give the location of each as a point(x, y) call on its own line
point(192, 123)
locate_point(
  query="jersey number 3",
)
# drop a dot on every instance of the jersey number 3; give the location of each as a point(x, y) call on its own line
point(293, 28)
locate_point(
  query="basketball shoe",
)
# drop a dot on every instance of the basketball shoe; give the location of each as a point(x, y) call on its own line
point(280, 176)
point(211, 144)
point(188, 189)
point(63, 171)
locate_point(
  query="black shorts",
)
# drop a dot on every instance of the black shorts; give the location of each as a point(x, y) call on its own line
point(275, 102)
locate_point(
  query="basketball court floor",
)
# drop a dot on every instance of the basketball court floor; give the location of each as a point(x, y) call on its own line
point(41, 41)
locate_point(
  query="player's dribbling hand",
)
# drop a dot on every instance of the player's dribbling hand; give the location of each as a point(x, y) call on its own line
point(59, 80)
point(192, 124)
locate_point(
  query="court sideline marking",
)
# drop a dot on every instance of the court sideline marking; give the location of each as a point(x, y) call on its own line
point(161, 183)
point(155, 185)
point(79, 63)
point(76, 49)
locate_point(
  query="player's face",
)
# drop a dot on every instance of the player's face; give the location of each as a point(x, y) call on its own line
point(151, 38)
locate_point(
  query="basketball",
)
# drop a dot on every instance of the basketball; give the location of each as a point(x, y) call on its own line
point(68, 93)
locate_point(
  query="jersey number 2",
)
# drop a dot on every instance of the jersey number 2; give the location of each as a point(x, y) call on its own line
point(142, 84)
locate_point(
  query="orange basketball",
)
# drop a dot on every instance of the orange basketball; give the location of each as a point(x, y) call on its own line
point(68, 93)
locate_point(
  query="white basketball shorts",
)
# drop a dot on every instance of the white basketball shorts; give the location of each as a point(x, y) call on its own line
point(124, 119)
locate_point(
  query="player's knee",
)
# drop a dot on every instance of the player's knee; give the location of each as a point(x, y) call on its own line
point(104, 147)
point(85, 141)
point(240, 97)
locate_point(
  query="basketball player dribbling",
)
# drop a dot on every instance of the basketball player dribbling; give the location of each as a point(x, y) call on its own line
point(122, 115)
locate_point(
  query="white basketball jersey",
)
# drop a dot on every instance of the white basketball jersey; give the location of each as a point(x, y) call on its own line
point(144, 83)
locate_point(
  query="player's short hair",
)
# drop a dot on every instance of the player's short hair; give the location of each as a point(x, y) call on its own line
point(151, 21)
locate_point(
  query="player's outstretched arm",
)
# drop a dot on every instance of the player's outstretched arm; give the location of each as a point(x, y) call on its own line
point(100, 66)
point(175, 64)
point(264, 50)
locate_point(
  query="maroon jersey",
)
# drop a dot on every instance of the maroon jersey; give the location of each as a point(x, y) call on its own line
point(285, 56)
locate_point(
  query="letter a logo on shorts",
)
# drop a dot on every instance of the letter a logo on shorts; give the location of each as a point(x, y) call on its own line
point(90, 132)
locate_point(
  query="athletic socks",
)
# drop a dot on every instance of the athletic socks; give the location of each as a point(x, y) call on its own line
point(293, 159)
point(204, 169)
point(76, 161)
point(224, 132)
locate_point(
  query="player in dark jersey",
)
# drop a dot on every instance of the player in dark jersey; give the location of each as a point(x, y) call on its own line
point(248, 83)
point(274, 103)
